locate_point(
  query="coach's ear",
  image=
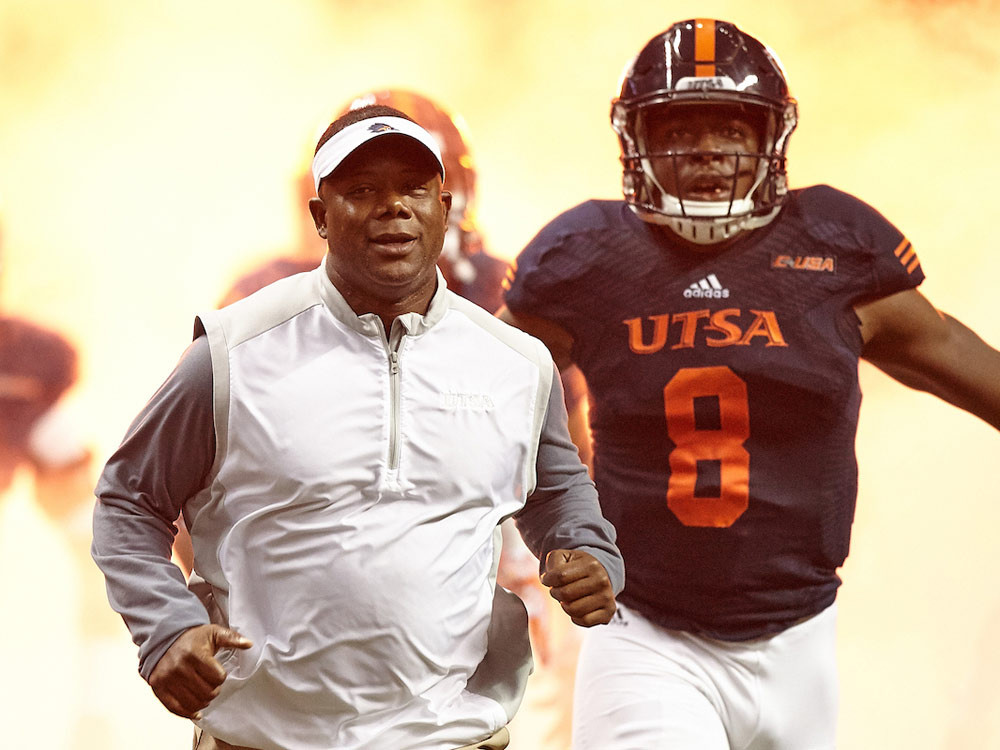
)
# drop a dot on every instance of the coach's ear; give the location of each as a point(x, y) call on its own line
point(318, 211)
point(446, 200)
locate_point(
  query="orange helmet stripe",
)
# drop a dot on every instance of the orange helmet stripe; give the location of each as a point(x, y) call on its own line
point(704, 47)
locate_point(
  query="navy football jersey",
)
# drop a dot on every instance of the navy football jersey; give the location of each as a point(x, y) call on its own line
point(724, 397)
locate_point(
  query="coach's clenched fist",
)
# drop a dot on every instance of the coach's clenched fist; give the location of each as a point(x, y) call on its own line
point(581, 586)
point(187, 677)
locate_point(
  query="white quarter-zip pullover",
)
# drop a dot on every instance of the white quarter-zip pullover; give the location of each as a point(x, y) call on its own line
point(348, 525)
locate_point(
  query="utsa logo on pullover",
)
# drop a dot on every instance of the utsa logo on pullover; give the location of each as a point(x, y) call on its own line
point(724, 398)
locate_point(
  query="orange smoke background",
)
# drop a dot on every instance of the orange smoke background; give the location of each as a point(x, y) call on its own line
point(149, 154)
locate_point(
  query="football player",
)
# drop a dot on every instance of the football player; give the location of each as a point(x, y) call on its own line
point(719, 318)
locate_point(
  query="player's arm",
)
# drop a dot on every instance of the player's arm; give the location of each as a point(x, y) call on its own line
point(554, 336)
point(910, 340)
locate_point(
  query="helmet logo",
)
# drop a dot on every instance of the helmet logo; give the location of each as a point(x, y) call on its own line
point(706, 83)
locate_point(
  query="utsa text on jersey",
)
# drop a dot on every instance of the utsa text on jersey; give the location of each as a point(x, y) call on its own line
point(682, 329)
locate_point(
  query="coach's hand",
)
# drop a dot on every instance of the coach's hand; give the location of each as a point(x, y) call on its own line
point(187, 677)
point(581, 586)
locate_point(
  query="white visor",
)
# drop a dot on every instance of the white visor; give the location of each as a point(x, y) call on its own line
point(344, 143)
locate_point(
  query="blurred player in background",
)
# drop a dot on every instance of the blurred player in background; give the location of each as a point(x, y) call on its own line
point(37, 367)
point(718, 318)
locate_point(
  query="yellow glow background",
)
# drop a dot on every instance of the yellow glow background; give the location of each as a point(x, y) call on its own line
point(148, 152)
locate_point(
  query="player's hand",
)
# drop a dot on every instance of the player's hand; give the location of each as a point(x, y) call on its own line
point(188, 676)
point(581, 586)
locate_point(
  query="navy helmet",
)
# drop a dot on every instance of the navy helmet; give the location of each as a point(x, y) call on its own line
point(704, 61)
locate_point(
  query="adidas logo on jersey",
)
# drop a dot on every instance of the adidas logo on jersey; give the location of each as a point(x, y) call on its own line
point(707, 287)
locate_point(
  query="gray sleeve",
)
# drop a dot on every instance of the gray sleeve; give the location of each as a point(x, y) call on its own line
point(165, 459)
point(563, 512)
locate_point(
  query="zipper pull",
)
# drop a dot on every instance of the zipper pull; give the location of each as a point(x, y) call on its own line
point(393, 363)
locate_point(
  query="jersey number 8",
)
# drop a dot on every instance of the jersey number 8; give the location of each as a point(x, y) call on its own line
point(720, 443)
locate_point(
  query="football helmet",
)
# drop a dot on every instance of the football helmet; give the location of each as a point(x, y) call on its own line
point(463, 238)
point(704, 61)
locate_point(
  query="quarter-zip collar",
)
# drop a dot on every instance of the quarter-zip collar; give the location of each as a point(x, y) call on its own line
point(368, 324)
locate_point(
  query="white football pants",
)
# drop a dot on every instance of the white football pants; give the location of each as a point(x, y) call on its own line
point(643, 687)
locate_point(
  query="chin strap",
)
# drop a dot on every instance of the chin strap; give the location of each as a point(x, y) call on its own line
point(705, 230)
